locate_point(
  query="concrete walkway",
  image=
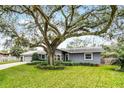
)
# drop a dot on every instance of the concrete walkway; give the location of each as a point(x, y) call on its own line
point(5, 66)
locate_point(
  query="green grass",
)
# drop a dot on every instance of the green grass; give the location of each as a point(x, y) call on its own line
point(24, 76)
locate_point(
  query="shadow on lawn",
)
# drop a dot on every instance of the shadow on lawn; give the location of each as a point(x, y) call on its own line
point(117, 69)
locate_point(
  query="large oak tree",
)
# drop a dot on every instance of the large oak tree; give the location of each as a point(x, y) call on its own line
point(49, 26)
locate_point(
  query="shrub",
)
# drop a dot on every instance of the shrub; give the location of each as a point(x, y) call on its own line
point(38, 62)
point(67, 63)
point(35, 56)
point(44, 63)
point(58, 63)
point(48, 67)
point(121, 61)
point(115, 62)
point(78, 64)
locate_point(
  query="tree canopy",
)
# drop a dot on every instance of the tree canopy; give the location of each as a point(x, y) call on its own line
point(16, 51)
point(49, 26)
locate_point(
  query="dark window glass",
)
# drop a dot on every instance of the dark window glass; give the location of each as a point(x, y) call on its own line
point(88, 56)
point(58, 57)
point(43, 56)
point(66, 57)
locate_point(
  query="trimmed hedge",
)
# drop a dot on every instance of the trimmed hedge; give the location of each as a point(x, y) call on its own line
point(60, 63)
point(78, 64)
point(48, 67)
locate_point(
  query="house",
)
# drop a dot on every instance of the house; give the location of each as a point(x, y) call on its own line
point(79, 55)
point(2, 54)
point(6, 56)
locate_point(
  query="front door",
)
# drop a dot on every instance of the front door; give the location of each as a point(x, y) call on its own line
point(21, 59)
point(66, 57)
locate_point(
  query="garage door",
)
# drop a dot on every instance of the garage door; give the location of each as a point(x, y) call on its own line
point(27, 59)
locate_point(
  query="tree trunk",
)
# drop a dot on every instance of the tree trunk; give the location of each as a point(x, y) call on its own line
point(51, 58)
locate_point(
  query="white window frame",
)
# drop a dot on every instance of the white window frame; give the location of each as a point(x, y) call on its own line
point(88, 53)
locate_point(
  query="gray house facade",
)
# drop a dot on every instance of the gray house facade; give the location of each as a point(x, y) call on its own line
point(78, 55)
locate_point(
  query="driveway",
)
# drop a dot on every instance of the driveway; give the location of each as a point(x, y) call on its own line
point(5, 66)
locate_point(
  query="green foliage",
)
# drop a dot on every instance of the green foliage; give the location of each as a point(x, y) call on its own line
point(48, 67)
point(44, 63)
point(78, 64)
point(34, 63)
point(35, 57)
point(38, 62)
point(109, 54)
point(120, 52)
point(16, 51)
point(110, 51)
point(117, 51)
point(58, 63)
point(61, 63)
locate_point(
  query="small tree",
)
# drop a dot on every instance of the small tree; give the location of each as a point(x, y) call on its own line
point(16, 51)
point(35, 56)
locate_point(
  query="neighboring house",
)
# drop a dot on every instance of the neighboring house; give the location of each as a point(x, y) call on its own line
point(6, 57)
point(79, 55)
point(4, 54)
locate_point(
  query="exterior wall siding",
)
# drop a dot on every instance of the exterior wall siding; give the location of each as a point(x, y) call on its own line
point(58, 52)
point(74, 57)
point(27, 58)
point(79, 58)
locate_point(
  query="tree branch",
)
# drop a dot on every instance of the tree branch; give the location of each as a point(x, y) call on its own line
point(112, 16)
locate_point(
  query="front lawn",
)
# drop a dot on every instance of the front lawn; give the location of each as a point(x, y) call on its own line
point(72, 76)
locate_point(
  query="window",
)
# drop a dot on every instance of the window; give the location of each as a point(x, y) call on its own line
point(39, 55)
point(58, 56)
point(43, 56)
point(88, 56)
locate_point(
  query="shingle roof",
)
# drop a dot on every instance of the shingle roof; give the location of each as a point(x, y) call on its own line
point(69, 50)
point(86, 49)
point(32, 52)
